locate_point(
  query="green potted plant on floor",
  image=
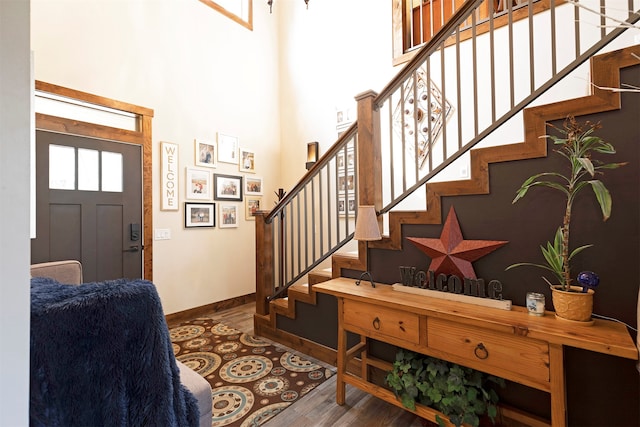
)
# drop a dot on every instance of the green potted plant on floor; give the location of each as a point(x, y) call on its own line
point(578, 145)
point(462, 394)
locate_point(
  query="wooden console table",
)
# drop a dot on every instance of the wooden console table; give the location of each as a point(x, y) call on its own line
point(510, 344)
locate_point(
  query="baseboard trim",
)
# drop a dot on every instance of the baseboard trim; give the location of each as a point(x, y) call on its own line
point(202, 310)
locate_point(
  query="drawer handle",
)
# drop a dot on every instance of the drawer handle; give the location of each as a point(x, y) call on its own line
point(481, 351)
point(376, 324)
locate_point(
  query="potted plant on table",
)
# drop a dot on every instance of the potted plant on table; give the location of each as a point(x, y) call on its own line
point(578, 145)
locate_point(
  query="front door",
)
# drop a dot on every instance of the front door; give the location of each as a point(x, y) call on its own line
point(89, 205)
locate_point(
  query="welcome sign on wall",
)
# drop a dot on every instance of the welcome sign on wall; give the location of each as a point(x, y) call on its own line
point(169, 171)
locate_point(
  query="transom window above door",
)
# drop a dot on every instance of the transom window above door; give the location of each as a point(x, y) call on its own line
point(84, 169)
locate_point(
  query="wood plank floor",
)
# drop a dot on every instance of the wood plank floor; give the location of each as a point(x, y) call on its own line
point(319, 407)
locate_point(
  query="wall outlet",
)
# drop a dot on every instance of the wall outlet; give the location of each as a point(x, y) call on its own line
point(162, 234)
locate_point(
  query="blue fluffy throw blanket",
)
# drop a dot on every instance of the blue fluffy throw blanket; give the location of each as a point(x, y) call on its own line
point(101, 356)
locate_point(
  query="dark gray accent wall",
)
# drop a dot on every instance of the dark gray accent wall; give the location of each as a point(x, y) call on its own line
point(602, 390)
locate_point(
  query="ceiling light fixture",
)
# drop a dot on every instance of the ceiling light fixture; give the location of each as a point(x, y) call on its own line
point(270, 3)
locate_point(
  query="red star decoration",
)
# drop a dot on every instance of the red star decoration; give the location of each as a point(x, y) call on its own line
point(451, 254)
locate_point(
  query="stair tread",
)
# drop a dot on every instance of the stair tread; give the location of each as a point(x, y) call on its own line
point(282, 302)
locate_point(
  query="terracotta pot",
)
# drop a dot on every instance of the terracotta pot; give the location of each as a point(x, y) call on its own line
point(573, 305)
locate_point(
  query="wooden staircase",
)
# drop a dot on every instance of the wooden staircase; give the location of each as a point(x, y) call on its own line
point(605, 73)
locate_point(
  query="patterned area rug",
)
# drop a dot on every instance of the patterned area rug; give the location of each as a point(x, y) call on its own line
point(252, 380)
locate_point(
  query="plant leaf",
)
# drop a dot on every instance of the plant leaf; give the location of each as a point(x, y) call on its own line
point(586, 163)
point(605, 148)
point(603, 197)
point(612, 165)
point(408, 402)
point(578, 250)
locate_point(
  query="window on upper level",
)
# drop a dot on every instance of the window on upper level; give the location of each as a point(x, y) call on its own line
point(415, 22)
point(241, 11)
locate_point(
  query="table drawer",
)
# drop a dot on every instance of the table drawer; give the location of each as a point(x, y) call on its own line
point(489, 350)
point(375, 320)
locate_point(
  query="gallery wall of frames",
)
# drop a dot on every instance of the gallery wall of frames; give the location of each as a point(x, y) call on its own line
point(212, 198)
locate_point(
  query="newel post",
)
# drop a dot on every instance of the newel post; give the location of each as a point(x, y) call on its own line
point(369, 160)
point(369, 151)
point(264, 262)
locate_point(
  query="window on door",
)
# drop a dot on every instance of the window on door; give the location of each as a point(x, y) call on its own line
point(83, 169)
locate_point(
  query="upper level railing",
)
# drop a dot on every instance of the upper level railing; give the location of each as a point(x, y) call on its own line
point(461, 89)
point(454, 94)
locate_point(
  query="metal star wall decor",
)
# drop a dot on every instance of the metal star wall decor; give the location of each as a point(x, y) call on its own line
point(451, 254)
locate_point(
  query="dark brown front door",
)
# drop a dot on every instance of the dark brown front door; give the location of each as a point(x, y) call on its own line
point(89, 205)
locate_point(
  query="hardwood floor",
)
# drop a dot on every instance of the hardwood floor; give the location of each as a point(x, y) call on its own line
point(319, 407)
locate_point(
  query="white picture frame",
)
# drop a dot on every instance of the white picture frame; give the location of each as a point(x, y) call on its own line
point(252, 204)
point(247, 160)
point(346, 183)
point(227, 148)
point(347, 206)
point(253, 186)
point(198, 184)
point(205, 153)
point(228, 215)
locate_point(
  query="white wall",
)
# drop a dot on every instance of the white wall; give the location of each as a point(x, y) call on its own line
point(202, 73)
point(330, 53)
point(14, 212)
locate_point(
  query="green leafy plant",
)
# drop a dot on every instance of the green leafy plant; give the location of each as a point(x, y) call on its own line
point(461, 393)
point(578, 145)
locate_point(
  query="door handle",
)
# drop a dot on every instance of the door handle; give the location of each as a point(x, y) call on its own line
point(132, 248)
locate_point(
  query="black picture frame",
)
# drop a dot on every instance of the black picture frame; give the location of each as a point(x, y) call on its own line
point(198, 215)
point(227, 187)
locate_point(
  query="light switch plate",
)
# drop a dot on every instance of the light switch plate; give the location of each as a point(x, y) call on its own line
point(162, 234)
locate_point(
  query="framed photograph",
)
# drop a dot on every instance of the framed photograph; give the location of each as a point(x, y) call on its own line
point(252, 204)
point(228, 216)
point(347, 206)
point(198, 184)
point(351, 158)
point(199, 215)
point(247, 161)
point(347, 182)
point(227, 187)
point(344, 118)
point(348, 162)
point(227, 148)
point(252, 186)
point(351, 205)
point(205, 153)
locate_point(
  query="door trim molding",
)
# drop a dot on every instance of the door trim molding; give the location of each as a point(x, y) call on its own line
point(141, 136)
